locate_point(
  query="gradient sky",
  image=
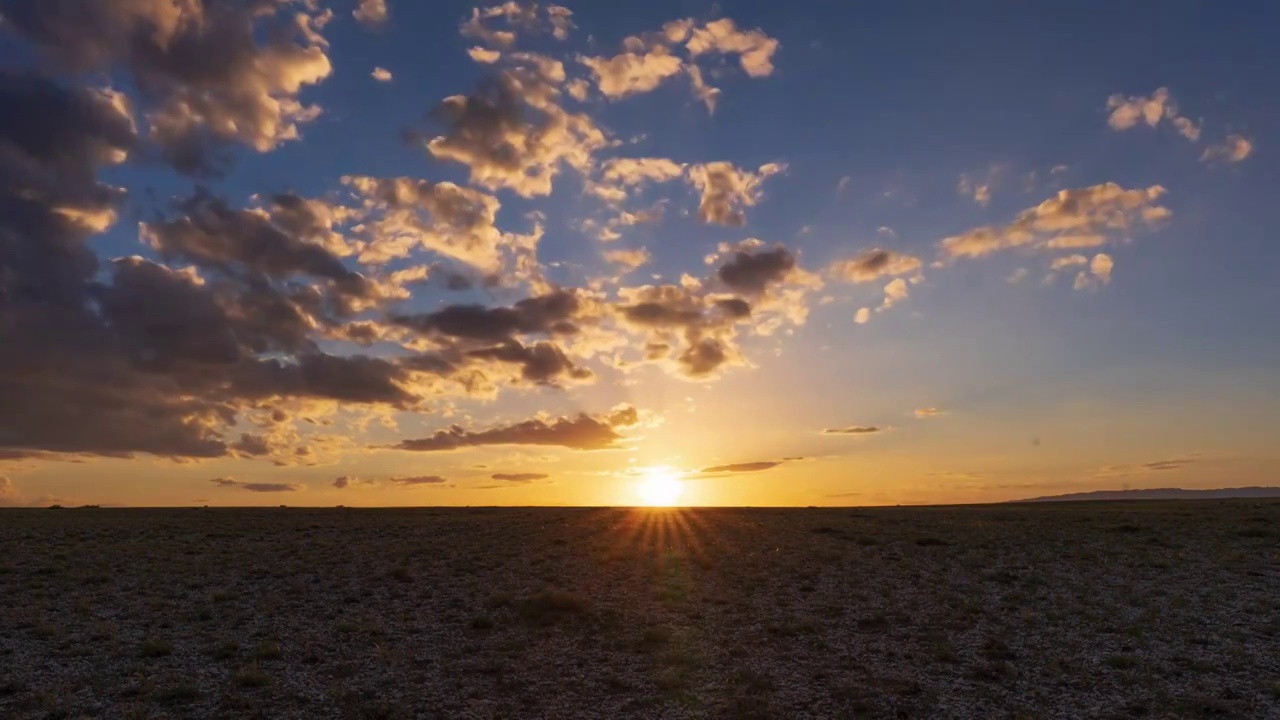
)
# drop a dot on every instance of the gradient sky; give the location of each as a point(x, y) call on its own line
point(407, 253)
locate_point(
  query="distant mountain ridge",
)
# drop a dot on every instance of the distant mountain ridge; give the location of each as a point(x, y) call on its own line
point(1160, 494)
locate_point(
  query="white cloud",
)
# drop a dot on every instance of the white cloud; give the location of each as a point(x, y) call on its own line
point(1233, 150)
point(371, 12)
point(1065, 220)
point(1069, 261)
point(1128, 112)
point(726, 190)
point(381, 74)
point(629, 259)
point(754, 48)
point(630, 73)
point(894, 292)
point(862, 316)
point(484, 55)
point(1101, 266)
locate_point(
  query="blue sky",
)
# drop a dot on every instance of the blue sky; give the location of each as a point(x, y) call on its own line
point(889, 126)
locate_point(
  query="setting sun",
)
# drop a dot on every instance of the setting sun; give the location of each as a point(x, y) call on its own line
point(660, 487)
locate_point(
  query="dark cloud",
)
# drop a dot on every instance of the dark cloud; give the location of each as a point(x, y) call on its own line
point(743, 467)
point(750, 272)
point(1147, 467)
point(254, 445)
point(734, 307)
point(418, 480)
point(703, 358)
point(853, 430)
point(581, 432)
point(1174, 464)
point(542, 363)
point(208, 73)
point(875, 263)
point(228, 482)
point(658, 314)
point(520, 477)
point(545, 314)
point(213, 235)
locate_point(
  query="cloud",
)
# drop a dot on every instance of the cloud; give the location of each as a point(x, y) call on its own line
point(629, 259)
point(751, 272)
point(371, 12)
point(551, 313)
point(1101, 266)
point(978, 187)
point(234, 335)
point(726, 190)
point(928, 412)
point(895, 291)
point(635, 171)
point(381, 75)
point(512, 133)
point(1099, 272)
point(872, 264)
point(558, 16)
point(581, 432)
point(1096, 211)
point(862, 316)
point(351, 481)
point(418, 480)
point(484, 56)
point(617, 174)
point(542, 363)
point(704, 92)
point(629, 73)
point(523, 16)
point(1233, 150)
point(212, 234)
point(754, 48)
point(212, 73)
point(520, 477)
point(1017, 276)
point(401, 214)
point(853, 430)
point(743, 467)
point(229, 482)
point(1177, 463)
point(1129, 112)
point(147, 358)
point(1069, 261)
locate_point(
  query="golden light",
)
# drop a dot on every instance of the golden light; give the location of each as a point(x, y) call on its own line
point(660, 487)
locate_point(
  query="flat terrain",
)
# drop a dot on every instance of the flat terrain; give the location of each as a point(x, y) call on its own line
point(1153, 609)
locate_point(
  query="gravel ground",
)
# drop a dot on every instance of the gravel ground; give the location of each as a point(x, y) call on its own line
point(1049, 611)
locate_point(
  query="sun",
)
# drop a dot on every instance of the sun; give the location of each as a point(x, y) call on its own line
point(660, 487)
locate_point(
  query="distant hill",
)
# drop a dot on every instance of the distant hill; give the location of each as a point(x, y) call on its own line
point(1161, 494)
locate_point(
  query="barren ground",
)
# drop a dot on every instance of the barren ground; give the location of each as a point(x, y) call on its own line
point(1159, 609)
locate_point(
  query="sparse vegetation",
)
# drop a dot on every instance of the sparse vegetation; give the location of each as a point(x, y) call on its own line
point(154, 648)
point(251, 676)
point(1003, 611)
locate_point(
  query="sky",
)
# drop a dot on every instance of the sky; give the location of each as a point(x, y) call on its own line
point(381, 253)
